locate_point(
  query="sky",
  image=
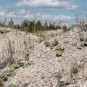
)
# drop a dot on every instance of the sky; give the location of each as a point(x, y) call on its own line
point(45, 10)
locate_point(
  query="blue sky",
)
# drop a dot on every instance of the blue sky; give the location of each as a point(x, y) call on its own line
point(44, 10)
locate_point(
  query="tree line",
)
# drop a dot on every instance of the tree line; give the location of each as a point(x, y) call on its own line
point(32, 26)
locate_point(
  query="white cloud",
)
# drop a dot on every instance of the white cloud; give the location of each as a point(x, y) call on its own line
point(11, 14)
point(1, 13)
point(63, 18)
point(29, 16)
point(47, 3)
point(23, 11)
point(38, 16)
point(8, 15)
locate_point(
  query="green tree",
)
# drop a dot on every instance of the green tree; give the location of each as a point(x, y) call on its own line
point(45, 27)
point(11, 23)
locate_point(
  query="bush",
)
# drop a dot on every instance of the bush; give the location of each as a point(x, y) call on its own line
point(20, 63)
point(65, 28)
point(8, 73)
point(74, 70)
point(48, 44)
point(66, 42)
point(84, 44)
point(28, 64)
point(59, 48)
point(55, 43)
point(15, 66)
point(78, 46)
point(1, 83)
point(59, 53)
point(3, 77)
point(11, 73)
point(12, 85)
point(63, 83)
point(83, 38)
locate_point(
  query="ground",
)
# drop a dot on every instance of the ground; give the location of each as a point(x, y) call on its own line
point(45, 68)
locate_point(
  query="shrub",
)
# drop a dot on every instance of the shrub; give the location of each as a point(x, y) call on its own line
point(78, 46)
point(74, 70)
point(14, 66)
point(3, 77)
point(1, 83)
point(65, 28)
point(84, 44)
point(59, 48)
point(55, 43)
point(59, 53)
point(12, 85)
point(83, 38)
point(20, 63)
point(63, 83)
point(28, 64)
point(11, 73)
point(46, 42)
point(51, 45)
point(66, 42)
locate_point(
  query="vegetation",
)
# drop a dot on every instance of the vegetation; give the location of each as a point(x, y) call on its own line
point(65, 28)
point(11, 73)
point(28, 64)
point(63, 83)
point(55, 42)
point(74, 70)
point(12, 85)
point(83, 38)
point(33, 26)
point(78, 46)
point(59, 53)
point(14, 66)
point(1, 83)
